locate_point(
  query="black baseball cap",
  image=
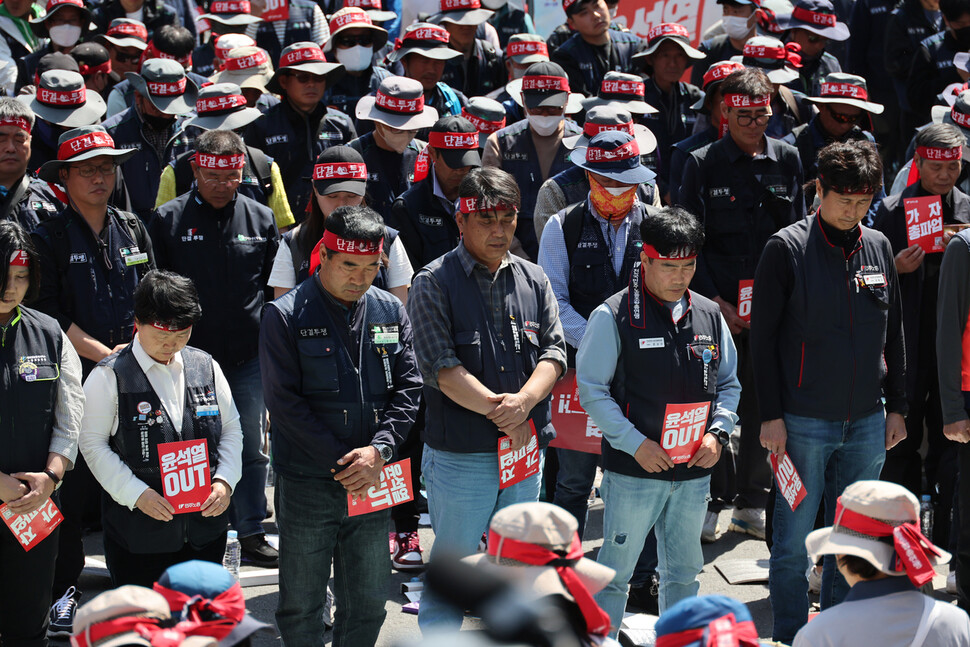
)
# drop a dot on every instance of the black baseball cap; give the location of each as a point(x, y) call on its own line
point(456, 140)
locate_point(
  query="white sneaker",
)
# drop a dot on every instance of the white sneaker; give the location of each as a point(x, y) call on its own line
point(710, 529)
point(951, 583)
point(750, 521)
point(814, 577)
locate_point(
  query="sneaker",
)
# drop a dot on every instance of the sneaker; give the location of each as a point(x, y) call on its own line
point(951, 583)
point(814, 577)
point(328, 610)
point(407, 557)
point(710, 529)
point(750, 521)
point(62, 614)
point(644, 599)
point(257, 551)
point(483, 543)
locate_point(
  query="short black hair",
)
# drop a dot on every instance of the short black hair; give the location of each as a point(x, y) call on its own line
point(937, 136)
point(355, 223)
point(173, 40)
point(850, 167)
point(858, 566)
point(750, 81)
point(953, 9)
point(167, 298)
point(13, 237)
point(492, 186)
point(220, 142)
point(672, 228)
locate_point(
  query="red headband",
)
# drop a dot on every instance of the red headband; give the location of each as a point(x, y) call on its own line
point(300, 55)
point(227, 609)
point(667, 29)
point(789, 52)
point(166, 328)
point(166, 88)
point(428, 33)
point(60, 98)
point(220, 162)
point(19, 258)
point(624, 152)
point(940, 154)
point(746, 101)
point(358, 17)
point(913, 549)
point(335, 243)
point(152, 52)
point(471, 205)
point(364, 4)
point(128, 29)
point(17, 122)
point(864, 190)
point(100, 631)
point(396, 104)
point(814, 17)
point(248, 62)
point(453, 141)
point(723, 631)
point(54, 3)
point(542, 83)
point(460, 5)
point(340, 171)
point(677, 254)
point(83, 143)
point(220, 104)
point(597, 621)
point(846, 90)
point(230, 6)
point(613, 86)
point(523, 47)
point(720, 71)
point(959, 118)
point(592, 130)
point(87, 70)
point(483, 125)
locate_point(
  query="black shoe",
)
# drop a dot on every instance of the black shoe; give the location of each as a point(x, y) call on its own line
point(257, 551)
point(62, 614)
point(643, 599)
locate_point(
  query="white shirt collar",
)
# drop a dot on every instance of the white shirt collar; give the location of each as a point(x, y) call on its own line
point(147, 363)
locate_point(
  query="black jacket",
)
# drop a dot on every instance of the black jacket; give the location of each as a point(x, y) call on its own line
point(479, 75)
point(427, 229)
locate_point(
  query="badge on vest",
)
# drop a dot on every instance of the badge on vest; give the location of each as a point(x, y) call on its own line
point(79, 258)
point(329, 135)
point(871, 280)
point(28, 371)
point(205, 410)
point(311, 333)
point(651, 342)
point(132, 256)
point(277, 139)
point(431, 221)
point(720, 192)
point(385, 333)
point(47, 206)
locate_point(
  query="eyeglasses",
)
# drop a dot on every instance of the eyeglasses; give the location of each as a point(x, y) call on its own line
point(306, 78)
point(761, 120)
point(90, 170)
point(343, 41)
point(231, 182)
point(844, 118)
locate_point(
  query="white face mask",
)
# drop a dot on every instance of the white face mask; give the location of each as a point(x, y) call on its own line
point(494, 5)
point(617, 190)
point(65, 35)
point(544, 126)
point(735, 27)
point(355, 59)
point(397, 141)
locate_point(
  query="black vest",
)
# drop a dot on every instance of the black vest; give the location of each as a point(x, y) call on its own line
point(136, 442)
point(429, 229)
point(30, 357)
point(29, 203)
point(299, 27)
point(381, 191)
point(502, 360)
point(648, 378)
point(348, 399)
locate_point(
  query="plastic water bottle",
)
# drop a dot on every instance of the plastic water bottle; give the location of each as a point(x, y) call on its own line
point(230, 561)
point(926, 516)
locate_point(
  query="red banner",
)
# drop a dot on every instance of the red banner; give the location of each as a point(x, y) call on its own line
point(276, 10)
point(684, 427)
point(574, 428)
point(185, 474)
point(518, 465)
point(31, 529)
point(924, 223)
point(790, 484)
point(395, 489)
point(745, 292)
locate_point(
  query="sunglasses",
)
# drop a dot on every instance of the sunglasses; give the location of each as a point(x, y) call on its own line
point(345, 42)
point(127, 58)
point(306, 78)
point(843, 118)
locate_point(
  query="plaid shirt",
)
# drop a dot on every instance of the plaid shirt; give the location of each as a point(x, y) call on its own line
point(430, 315)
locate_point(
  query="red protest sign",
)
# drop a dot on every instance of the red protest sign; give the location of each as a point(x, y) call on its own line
point(745, 292)
point(276, 10)
point(924, 223)
point(790, 484)
point(518, 465)
point(684, 426)
point(574, 428)
point(31, 529)
point(395, 489)
point(185, 474)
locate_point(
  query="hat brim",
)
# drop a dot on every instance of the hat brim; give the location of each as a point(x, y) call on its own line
point(333, 72)
point(881, 555)
point(255, 80)
point(89, 114)
point(646, 140)
point(778, 75)
point(636, 106)
point(699, 104)
point(228, 121)
point(466, 17)
point(379, 42)
point(962, 61)
point(529, 59)
point(574, 100)
point(178, 104)
point(692, 52)
point(246, 628)
point(941, 115)
point(868, 106)
point(437, 53)
point(48, 171)
point(122, 42)
point(839, 32)
point(234, 20)
point(544, 580)
point(367, 109)
point(357, 187)
point(460, 158)
point(378, 15)
point(637, 175)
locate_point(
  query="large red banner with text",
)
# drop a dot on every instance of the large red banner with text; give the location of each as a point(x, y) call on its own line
point(574, 428)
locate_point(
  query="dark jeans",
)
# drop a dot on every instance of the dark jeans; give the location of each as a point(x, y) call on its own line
point(80, 504)
point(753, 472)
point(963, 521)
point(25, 590)
point(248, 506)
point(144, 569)
point(406, 515)
point(315, 531)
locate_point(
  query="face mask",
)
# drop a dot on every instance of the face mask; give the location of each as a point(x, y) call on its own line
point(396, 141)
point(544, 126)
point(65, 35)
point(494, 5)
point(518, 71)
point(355, 59)
point(611, 203)
point(157, 123)
point(962, 36)
point(735, 27)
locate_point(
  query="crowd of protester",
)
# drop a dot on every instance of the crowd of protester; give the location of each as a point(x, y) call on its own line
point(346, 234)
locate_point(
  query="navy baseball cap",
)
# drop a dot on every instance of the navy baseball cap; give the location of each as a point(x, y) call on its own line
point(614, 154)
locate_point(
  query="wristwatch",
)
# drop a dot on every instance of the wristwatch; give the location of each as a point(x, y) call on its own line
point(722, 436)
point(385, 451)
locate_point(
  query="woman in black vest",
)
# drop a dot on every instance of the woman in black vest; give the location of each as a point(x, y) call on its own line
point(41, 403)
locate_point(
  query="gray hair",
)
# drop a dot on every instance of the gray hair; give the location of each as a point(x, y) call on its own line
point(941, 136)
point(10, 107)
point(220, 142)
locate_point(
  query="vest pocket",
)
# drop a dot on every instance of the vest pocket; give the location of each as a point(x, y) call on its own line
point(318, 362)
point(468, 349)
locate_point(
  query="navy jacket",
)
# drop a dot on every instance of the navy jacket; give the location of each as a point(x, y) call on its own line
point(586, 64)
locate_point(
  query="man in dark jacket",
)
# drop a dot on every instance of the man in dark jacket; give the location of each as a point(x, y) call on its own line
point(422, 54)
point(64, 24)
point(932, 69)
point(827, 343)
point(740, 22)
point(479, 69)
point(811, 25)
point(25, 199)
point(912, 22)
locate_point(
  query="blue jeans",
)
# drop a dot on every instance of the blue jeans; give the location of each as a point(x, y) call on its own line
point(633, 506)
point(315, 531)
point(463, 494)
point(248, 507)
point(828, 455)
